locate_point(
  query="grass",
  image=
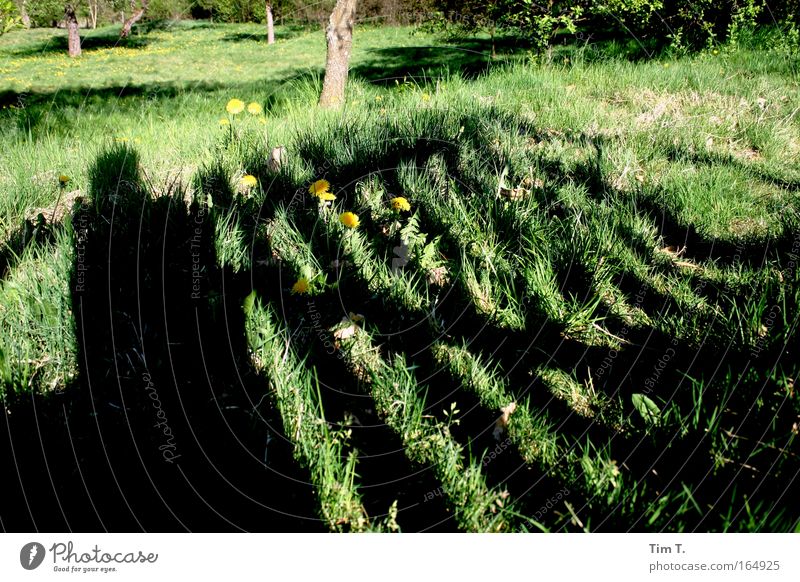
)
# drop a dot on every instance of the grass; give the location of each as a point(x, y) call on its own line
point(608, 245)
point(297, 397)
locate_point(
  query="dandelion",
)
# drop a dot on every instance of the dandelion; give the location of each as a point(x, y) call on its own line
point(400, 204)
point(378, 98)
point(224, 122)
point(349, 219)
point(255, 109)
point(63, 180)
point(301, 286)
point(319, 187)
point(235, 106)
point(426, 96)
point(326, 197)
point(249, 181)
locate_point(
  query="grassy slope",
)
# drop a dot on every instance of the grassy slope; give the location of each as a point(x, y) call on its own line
point(618, 161)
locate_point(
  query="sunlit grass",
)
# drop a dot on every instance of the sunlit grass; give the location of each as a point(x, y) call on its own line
point(589, 215)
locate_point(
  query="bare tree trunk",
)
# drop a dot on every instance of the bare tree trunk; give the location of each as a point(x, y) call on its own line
point(74, 42)
point(270, 24)
point(23, 13)
point(94, 8)
point(339, 37)
point(135, 17)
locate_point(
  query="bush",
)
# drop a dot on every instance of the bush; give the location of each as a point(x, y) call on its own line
point(234, 10)
point(168, 9)
point(679, 24)
point(45, 12)
point(9, 16)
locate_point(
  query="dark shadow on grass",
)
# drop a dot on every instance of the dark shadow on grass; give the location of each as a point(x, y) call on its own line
point(384, 65)
point(92, 41)
point(282, 34)
point(161, 431)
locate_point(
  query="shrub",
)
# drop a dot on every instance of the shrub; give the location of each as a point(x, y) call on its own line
point(168, 9)
point(9, 16)
point(45, 12)
point(680, 24)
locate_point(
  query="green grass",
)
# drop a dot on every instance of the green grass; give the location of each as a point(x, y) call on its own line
point(610, 245)
point(296, 395)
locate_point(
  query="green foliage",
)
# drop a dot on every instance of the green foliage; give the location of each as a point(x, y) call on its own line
point(9, 16)
point(234, 10)
point(681, 24)
point(45, 12)
point(648, 409)
point(168, 9)
point(542, 21)
point(743, 22)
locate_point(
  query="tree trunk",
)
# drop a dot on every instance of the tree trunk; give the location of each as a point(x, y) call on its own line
point(74, 42)
point(94, 7)
point(23, 13)
point(135, 17)
point(270, 24)
point(339, 37)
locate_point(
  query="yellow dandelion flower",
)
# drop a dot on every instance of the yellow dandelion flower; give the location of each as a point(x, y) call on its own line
point(426, 96)
point(224, 122)
point(400, 203)
point(378, 98)
point(255, 109)
point(235, 106)
point(349, 219)
point(319, 187)
point(249, 181)
point(301, 286)
point(326, 197)
point(63, 180)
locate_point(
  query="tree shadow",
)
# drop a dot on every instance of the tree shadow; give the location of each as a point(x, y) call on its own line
point(159, 24)
point(52, 110)
point(164, 428)
point(282, 33)
point(384, 65)
point(108, 38)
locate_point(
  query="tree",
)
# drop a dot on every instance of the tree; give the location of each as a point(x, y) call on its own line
point(135, 17)
point(74, 42)
point(23, 12)
point(270, 24)
point(339, 38)
point(8, 16)
point(94, 9)
point(45, 12)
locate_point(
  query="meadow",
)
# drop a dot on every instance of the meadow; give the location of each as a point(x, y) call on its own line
point(566, 298)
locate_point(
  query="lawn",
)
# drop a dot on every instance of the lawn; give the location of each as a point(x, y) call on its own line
point(581, 315)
